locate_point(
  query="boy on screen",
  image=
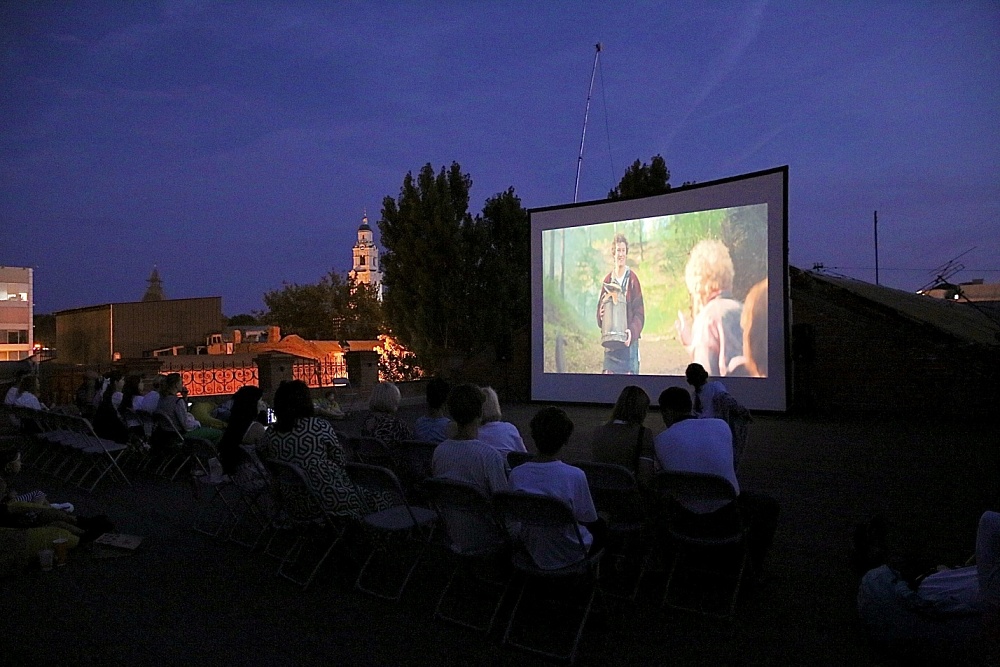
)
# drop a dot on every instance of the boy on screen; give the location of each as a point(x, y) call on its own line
point(622, 283)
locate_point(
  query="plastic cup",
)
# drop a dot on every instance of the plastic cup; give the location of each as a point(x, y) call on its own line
point(45, 557)
point(61, 548)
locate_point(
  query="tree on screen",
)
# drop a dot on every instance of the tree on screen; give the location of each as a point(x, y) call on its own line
point(642, 180)
point(454, 282)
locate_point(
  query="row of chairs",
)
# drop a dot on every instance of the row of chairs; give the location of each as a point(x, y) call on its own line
point(66, 446)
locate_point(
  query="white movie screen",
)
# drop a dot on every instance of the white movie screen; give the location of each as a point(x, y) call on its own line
point(631, 292)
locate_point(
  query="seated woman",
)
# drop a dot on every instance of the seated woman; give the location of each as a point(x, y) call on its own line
point(713, 400)
point(382, 422)
point(500, 435)
point(173, 405)
point(108, 421)
point(299, 437)
point(939, 617)
point(552, 549)
point(624, 440)
point(245, 431)
point(328, 406)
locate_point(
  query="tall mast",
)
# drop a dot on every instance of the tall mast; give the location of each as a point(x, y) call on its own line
point(586, 115)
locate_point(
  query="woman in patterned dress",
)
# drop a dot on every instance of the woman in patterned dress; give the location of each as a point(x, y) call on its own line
point(310, 442)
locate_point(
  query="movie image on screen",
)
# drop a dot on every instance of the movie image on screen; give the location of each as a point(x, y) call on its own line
point(633, 291)
point(651, 295)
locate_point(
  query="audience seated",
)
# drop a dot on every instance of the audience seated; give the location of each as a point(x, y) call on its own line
point(15, 388)
point(299, 437)
point(328, 406)
point(27, 394)
point(29, 523)
point(711, 399)
point(435, 425)
point(706, 446)
point(108, 421)
point(245, 429)
point(465, 458)
point(173, 404)
point(500, 435)
point(382, 422)
point(624, 440)
point(936, 618)
point(151, 401)
point(546, 475)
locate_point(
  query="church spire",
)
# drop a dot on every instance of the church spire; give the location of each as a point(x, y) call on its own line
point(155, 290)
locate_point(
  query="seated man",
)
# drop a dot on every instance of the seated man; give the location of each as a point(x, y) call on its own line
point(435, 425)
point(547, 475)
point(464, 458)
point(938, 617)
point(706, 446)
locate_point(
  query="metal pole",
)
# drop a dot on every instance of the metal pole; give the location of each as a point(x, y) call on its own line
point(586, 115)
point(876, 247)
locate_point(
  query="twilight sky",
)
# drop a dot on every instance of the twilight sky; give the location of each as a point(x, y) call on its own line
point(236, 144)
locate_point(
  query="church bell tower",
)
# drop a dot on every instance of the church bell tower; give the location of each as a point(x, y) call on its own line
point(366, 269)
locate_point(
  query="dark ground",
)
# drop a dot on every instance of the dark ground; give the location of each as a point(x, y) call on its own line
point(185, 598)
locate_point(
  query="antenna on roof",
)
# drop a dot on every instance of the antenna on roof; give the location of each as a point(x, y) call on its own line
point(945, 272)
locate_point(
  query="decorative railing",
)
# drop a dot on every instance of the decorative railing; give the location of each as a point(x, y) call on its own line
point(217, 377)
point(318, 373)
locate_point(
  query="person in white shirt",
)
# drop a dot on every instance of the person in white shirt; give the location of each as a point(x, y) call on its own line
point(27, 396)
point(435, 425)
point(552, 549)
point(152, 398)
point(500, 435)
point(464, 458)
point(706, 446)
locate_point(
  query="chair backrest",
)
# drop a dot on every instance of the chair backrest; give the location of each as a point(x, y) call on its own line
point(289, 480)
point(165, 432)
point(694, 486)
point(415, 457)
point(471, 520)
point(366, 449)
point(615, 491)
point(533, 510)
point(377, 478)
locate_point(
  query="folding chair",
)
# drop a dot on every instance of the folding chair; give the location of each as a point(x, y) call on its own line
point(414, 462)
point(100, 456)
point(618, 498)
point(539, 512)
point(366, 449)
point(308, 523)
point(399, 520)
point(169, 444)
point(477, 540)
point(709, 549)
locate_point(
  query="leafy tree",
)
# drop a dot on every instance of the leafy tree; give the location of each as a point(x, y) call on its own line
point(45, 330)
point(426, 236)
point(242, 320)
point(502, 301)
point(332, 309)
point(642, 180)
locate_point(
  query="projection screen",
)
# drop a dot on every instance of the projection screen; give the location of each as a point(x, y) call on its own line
point(632, 291)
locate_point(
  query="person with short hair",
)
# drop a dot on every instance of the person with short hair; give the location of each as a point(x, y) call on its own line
point(624, 440)
point(689, 444)
point(546, 475)
point(621, 282)
point(382, 422)
point(465, 458)
point(498, 434)
point(435, 426)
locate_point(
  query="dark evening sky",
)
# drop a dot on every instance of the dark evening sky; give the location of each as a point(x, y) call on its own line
point(236, 144)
